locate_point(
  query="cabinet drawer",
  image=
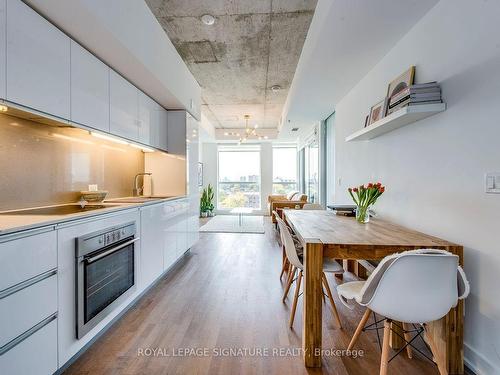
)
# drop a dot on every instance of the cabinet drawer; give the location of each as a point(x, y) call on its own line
point(35, 355)
point(27, 257)
point(27, 307)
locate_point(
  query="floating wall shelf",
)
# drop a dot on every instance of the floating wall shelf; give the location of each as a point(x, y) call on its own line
point(398, 119)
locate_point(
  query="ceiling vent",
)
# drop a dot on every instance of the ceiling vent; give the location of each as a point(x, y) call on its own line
point(295, 129)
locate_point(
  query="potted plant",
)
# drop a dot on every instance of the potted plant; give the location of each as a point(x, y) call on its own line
point(204, 205)
point(210, 200)
point(207, 201)
point(364, 198)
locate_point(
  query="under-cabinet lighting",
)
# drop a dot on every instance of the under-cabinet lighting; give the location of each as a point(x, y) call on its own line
point(108, 138)
point(143, 148)
point(4, 108)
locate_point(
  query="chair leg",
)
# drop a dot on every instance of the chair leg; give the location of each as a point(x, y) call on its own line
point(407, 339)
point(295, 298)
point(441, 363)
point(359, 329)
point(330, 297)
point(289, 282)
point(384, 360)
point(284, 267)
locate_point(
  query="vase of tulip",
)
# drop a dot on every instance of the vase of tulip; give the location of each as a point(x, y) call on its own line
point(365, 197)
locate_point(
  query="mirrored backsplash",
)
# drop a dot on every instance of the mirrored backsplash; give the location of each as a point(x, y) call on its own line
point(44, 165)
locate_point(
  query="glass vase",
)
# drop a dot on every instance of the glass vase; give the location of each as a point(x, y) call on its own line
point(363, 214)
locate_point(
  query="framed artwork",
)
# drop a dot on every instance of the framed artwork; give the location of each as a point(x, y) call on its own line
point(377, 112)
point(400, 83)
point(200, 174)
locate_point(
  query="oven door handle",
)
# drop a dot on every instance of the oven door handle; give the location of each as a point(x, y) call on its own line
point(110, 251)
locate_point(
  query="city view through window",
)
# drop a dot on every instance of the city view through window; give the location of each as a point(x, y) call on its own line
point(284, 170)
point(239, 179)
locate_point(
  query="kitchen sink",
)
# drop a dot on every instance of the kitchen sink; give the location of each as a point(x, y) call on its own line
point(137, 199)
point(65, 209)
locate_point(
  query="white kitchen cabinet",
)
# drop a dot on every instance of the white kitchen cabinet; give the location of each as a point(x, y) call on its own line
point(152, 243)
point(177, 132)
point(158, 129)
point(181, 227)
point(124, 106)
point(170, 253)
point(147, 118)
point(193, 190)
point(25, 257)
point(89, 89)
point(38, 62)
point(25, 308)
point(36, 355)
point(3, 47)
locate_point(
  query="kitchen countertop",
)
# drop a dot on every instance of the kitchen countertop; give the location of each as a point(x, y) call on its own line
point(16, 223)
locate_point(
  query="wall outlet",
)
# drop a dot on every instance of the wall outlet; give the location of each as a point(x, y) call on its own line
point(492, 183)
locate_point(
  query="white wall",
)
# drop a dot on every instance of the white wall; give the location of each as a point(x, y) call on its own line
point(434, 169)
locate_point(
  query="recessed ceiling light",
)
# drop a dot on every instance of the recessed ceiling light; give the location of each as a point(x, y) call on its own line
point(275, 88)
point(208, 19)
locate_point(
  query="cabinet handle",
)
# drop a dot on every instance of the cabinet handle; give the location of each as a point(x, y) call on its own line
point(23, 336)
point(24, 284)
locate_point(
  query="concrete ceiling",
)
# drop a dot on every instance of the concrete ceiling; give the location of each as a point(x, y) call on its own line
point(252, 46)
point(346, 39)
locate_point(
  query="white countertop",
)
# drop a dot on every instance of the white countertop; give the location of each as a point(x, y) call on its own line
point(16, 223)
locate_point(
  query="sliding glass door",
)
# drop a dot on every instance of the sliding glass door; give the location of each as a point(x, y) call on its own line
point(238, 178)
point(311, 171)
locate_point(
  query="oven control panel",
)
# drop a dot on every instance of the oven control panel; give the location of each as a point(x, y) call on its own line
point(98, 240)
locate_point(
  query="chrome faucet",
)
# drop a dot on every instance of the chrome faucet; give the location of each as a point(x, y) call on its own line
point(137, 191)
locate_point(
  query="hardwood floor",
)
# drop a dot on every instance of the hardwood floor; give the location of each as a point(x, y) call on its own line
point(225, 294)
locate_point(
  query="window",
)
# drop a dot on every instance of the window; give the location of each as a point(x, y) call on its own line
point(239, 178)
point(284, 170)
point(312, 172)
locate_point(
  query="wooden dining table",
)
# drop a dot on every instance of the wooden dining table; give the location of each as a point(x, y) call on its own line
point(325, 234)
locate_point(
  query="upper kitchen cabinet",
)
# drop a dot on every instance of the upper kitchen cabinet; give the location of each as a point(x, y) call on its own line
point(160, 130)
point(124, 107)
point(89, 89)
point(147, 116)
point(152, 122)
point(3, 70)
point(177, 132)
point(38, 62)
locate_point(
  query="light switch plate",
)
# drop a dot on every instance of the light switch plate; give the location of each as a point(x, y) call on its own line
point(492, 183)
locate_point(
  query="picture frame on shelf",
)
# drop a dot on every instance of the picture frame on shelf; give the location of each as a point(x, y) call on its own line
point(378, 111)
point(401, 82)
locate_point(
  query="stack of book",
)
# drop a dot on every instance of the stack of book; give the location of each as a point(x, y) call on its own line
point(343, 209)
point(423, 93)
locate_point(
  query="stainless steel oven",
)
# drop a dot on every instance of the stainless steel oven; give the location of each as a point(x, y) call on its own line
point(105, 273)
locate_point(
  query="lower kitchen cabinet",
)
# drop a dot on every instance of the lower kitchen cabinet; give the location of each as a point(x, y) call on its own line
point(35, 355)
point(163, 238)
point(153, 233)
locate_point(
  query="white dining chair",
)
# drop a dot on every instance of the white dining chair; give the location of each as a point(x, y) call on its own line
point(413, 287)
point(312, 206)
point(329, 265)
